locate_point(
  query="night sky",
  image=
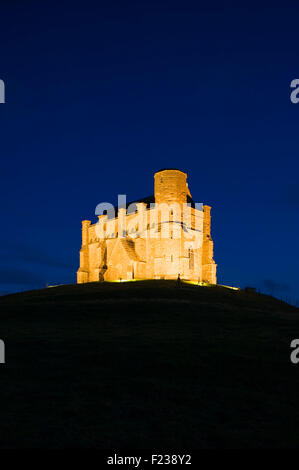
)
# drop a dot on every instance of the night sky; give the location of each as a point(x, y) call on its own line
point(100, 95)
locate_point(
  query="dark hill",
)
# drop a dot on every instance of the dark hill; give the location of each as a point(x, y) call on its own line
point(147, 365)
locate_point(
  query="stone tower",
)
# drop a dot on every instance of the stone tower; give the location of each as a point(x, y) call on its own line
point(171, 186)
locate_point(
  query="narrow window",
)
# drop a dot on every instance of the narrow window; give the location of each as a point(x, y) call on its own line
point(191, 258)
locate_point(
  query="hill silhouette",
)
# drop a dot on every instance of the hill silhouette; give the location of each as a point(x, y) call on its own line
point(147, 365)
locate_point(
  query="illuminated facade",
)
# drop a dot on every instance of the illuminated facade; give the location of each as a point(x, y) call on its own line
point(159, 237)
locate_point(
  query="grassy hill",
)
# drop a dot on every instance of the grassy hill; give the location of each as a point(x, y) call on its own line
point(147, 365)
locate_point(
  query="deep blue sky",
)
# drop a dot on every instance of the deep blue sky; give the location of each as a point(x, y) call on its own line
point(100, 95)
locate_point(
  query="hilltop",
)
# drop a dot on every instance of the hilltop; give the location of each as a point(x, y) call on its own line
point(147, 365)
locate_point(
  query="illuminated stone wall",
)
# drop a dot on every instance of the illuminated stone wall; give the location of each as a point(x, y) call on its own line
point(157, 244)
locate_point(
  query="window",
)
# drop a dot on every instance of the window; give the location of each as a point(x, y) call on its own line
point(191, 258)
